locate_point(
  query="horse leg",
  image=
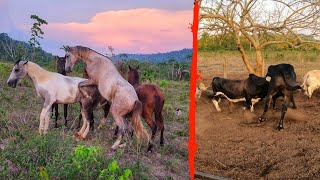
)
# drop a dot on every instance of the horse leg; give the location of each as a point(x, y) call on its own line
point(44, 113)
point(56, 107)
point(86, 115)
point(84, 123)
point(120, 123)
point(52, 108)
point(147, 116)
point(103, 121)
point(65, 111)
point(80, 117)
point(85, 83)
point(46, 123)
point(91, 120)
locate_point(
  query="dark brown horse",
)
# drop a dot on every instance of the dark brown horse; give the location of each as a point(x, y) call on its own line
point(97, 99)
point(152, 100)
point(60, 63)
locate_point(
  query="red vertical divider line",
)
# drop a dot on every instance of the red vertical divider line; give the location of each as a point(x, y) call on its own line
point(193, 81)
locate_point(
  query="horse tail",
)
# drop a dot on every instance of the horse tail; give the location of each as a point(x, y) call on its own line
point(136, 122)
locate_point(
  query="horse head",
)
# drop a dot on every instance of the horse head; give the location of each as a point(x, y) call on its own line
point(133, 75)
point(60, 64)
point(18, 73)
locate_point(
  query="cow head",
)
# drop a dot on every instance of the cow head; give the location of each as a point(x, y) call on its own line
point(257, 80)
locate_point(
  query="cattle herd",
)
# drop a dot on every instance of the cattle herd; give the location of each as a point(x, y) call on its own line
point(280, 80)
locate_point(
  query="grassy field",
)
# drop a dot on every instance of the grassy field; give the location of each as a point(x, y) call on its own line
point(26, 155)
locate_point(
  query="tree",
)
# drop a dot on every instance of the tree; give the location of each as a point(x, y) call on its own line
point(8, 45)
point(36, 33)
point(250, 19)
point(111, 49)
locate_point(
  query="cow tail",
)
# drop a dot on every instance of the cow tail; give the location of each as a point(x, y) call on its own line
point(290, 84)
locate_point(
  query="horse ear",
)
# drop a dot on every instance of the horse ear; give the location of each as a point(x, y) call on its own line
point(25, 62)
point(137, 67)
point(129, 67)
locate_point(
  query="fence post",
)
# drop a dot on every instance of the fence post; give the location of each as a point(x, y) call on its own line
point(225, 68)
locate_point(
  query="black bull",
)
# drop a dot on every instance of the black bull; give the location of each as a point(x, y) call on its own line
point(282, 80)
point(251, 88)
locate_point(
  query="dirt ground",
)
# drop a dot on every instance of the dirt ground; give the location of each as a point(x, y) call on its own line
point(233, 144)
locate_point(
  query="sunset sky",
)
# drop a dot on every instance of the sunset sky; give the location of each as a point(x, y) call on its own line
point(132, 26)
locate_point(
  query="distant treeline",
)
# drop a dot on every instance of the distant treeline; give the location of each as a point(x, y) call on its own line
point(226, 42)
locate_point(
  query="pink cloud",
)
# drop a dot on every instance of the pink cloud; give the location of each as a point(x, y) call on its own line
point(135, 31)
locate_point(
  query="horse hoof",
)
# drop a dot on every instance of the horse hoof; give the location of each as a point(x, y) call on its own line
point(280, 127)
point(76, 134)
point(260, 119)
point(149, 150)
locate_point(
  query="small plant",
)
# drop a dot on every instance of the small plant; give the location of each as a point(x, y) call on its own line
point(84, 156)
point(163, 83)
point(43, 173)
point(114, 171)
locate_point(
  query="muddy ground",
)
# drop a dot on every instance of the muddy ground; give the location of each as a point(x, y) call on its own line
point(233, 144)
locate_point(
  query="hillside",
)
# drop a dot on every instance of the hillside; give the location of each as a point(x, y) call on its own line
point(181, 55)
point(5, 40)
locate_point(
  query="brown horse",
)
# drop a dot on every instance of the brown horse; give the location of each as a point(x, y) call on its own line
point(152, 100)
point(97, 99)
point(112, 86)
point(60, 63)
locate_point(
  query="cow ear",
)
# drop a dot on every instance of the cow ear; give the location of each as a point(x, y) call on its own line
point(129, 67)
point(25, 62)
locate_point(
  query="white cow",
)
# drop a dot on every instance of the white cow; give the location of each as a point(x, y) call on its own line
point(311, 82)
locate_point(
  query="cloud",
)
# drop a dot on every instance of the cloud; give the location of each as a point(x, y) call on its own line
point(132, 31)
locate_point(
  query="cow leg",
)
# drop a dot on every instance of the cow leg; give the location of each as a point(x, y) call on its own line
point(216, 104)
point(274, 100)
point(293, 103)
point(284, 110)
point(248, 103)
point(266, 107)
point(254, 101)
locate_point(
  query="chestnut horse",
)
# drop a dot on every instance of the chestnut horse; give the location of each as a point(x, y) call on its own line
point(60, 63)
point(152, 100)
point(112, 86)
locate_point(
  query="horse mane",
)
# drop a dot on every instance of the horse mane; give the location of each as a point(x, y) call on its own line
point(83, 51)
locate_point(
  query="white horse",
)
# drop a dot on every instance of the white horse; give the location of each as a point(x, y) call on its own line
point(53, 88)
